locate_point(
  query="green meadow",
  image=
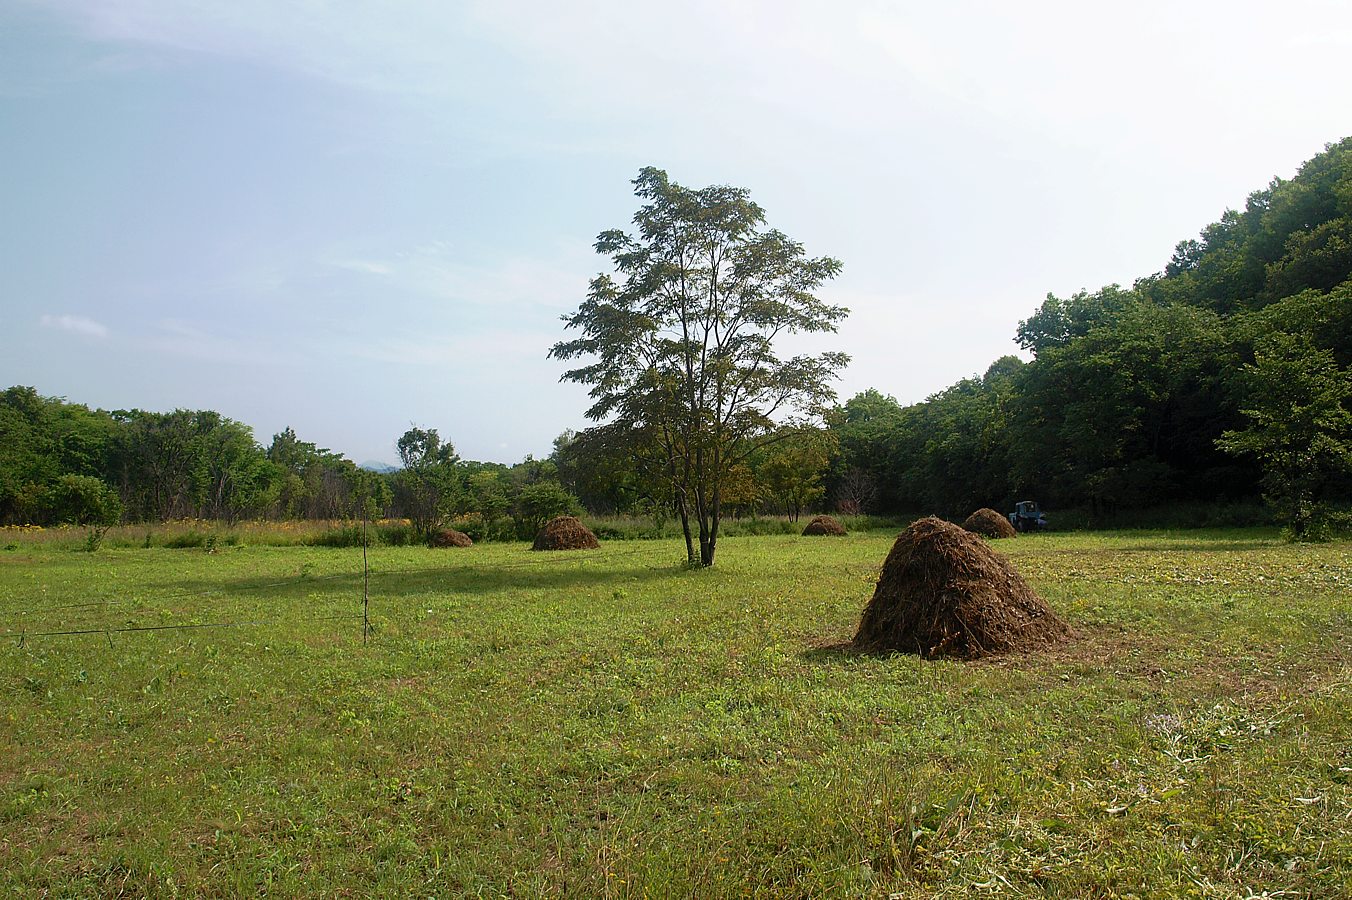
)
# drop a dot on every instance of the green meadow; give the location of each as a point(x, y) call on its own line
point(613, 724)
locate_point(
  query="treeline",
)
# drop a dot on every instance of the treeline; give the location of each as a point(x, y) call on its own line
point(62, 462)
point(160, 466)
point(1223, 377)
point(65, 463)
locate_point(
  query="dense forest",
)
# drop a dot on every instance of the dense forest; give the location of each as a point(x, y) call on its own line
point(1223, 377)
point(1227, 376)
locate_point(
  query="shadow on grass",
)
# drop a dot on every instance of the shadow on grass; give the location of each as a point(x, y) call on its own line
point(828, 651)
point(1203, 546)
point(460, 579)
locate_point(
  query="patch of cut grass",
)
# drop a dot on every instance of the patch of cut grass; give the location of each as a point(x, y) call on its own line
point(609, 723)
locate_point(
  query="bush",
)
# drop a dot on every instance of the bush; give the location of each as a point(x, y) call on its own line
point(76, 500)
point(342, 536)
point(538, 503)
point(396, 534)
point(388, 534)
point(188, 540)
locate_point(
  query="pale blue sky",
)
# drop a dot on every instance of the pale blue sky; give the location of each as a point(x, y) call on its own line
point(348, 217)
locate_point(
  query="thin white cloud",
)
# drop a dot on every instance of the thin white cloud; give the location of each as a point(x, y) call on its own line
point(553, 281)
point(366, 267)
point(398, 46)
point(484, 351)
point(77, 324)
point(1083, 74)
point(174, 337)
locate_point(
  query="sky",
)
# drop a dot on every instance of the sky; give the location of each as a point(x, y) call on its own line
point(350, 218)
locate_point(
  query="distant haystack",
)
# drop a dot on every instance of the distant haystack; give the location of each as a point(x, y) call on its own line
point(449, 537)
point(989, 523)
point(565, 533)
point(944, 592)
point(824, 525)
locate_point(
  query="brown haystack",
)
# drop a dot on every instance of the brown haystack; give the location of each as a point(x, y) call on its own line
point(449, 537)
point(565, 533)
point(827, 525)
point(989, 523)
point(944, 592)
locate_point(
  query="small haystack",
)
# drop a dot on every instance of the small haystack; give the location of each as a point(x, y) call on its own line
point(989, 523)
point(826, 525)
point(944, 592)
point(449, 537)
point(565, 533)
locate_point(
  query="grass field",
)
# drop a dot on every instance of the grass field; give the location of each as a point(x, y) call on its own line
point(609, 724)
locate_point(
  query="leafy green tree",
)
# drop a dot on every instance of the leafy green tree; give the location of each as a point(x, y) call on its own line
point(238, 477)
point(537, 503)
point(1057, 322)
point(1300, 429)
point(616, 468)
point(316, 483)
point(26, 458)
point(866, 429)
point(189, 463)
point(84, 500)
point(486, 493)
point(791, 471)
point(1125, 412)
point(427, 488)
point(682, 340)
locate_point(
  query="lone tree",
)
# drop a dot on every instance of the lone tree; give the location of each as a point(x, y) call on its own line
point(683, 334)
point(426, 486)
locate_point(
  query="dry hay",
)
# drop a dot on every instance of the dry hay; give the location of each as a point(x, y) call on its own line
point(449, 537)
point(944, 592)
point(565, 533)
point(827, 525)
point(989, 523)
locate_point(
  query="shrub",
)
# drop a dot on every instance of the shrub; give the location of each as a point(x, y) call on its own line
point(396, 534)
point(188, 540)
point(345, 536)
point(538, 503)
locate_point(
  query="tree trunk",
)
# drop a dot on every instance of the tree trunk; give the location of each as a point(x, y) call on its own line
point(707, 540)
point(685, 529)
point(708, 547)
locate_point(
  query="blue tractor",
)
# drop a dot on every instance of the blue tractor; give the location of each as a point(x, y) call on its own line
point(1027, 517)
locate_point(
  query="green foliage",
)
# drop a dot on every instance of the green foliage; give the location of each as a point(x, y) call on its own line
point(538, 503)
point(486, 495)
point(1130, 390)
point(681, 342)
point(1300, 429)
point(187, 540)
point(376, 534)
point(427, 489)
point(310, 482)
point(84, 500)
point(791, 470)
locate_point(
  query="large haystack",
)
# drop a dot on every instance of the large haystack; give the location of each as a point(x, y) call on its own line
point(989, 523)
point(565, 533)
point(824, 525)
point(944, 592)
point(449, 537)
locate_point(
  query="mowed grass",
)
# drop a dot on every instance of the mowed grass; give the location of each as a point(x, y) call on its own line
point(608, 723)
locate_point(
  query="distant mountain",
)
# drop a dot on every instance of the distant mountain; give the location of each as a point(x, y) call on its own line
point(383, 468)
